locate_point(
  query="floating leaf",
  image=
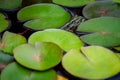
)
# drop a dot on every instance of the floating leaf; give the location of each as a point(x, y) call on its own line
point(42, 56)
point(64, 39)
point(10, 41)
point(10, 4)
point(73, 3)
point(5, 58)
point(92, 62)
point(43, 16)
point(16, 72)
point(101, 8)
point(4, 23)
point(118, 1)
point(104, 31)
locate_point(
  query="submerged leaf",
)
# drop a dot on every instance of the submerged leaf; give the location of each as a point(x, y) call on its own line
point(10, 4)
point(101, 8)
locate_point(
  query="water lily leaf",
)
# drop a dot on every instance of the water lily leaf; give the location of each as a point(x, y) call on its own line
point(10, 4)
point(64, 39)
point(42, 56)
point(43, 16)
point(118, 1)
point(104, 31)
point(16, 72)
point(92, 62)
point(73, 3)
point(5, 58)
point(10, 41)
point(4, 23)
point(101, 8)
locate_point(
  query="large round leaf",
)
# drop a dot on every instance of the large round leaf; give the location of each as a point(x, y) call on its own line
point(104, 31)
point(42, 56)
point(101, 8)
point(16, 72)
point(73, 3)
point(4, 23)
point(92, 62)
point(66, 40)
point(43, 16)
point(10, 41)
point(10, 4)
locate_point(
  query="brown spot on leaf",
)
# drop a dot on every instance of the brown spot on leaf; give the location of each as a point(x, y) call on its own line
point(2, 44)
point(37, 57)
point(104, 33)
point(2, 66)
point(104, 12)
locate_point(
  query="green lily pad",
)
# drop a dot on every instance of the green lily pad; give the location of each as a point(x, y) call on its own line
point(104, 31)
point(101, 8)
point(64, 39)
point(5, 58)
point(10, 41)
point(42, 56)
point(73, 3)
point(10, 4)
point(92, 62)
point(16, 72)
point(118, 54)
point(44, 16)
point(117, 1)
point(4, 23)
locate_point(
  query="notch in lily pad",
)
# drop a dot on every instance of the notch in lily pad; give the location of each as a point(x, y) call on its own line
point(73, 3)
point(10, 41)
point(64, 39)
point(103, 31)
point(26, 74)
point(91, 62)
point(10, 4)
point(41, 56)
point(101, 8)
point(44, 16)
point(4, 22)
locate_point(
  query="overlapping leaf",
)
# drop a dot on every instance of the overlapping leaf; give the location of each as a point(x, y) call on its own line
point(104, 31)
point(4, 23)
point(73, 3)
